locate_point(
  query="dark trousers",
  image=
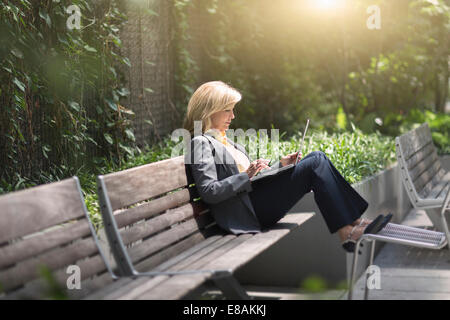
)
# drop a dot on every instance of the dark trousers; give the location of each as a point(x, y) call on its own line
point(339, 203)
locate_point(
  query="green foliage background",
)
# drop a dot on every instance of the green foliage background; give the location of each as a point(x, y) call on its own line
point(293, 60)
point(60, 90)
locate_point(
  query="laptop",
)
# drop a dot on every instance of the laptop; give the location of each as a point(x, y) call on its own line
point(271, 172)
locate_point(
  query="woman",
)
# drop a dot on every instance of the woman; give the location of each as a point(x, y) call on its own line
point(240, 205)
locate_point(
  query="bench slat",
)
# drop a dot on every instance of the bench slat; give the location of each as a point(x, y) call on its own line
point(426, 176)
point(134, 185)
point(112, 288)
point(419, 156)
point(41, 242)
point(37, 208)
point(152, 208)
point(92, 285)
point(260, 242)
point(54, 259)
point(423, 165)
point(232, 259)
point(180, 250)
point(193, 262)
point(177, 263)
point(143, 284)
point(229, 243)
point(427, 181)
point(439, 189)
point(174, 288)
point(167, 238)
point(157, 224)
point(88, 267)
point(415, 140)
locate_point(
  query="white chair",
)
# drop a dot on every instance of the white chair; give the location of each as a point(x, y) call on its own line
point(400, 234)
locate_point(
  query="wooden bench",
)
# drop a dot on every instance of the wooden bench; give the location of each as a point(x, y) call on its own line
point(43, 232)
point(426, 182)
point(165, 238)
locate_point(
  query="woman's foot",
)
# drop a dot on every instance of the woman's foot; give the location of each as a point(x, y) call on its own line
point(361, 222)
point(349, 235)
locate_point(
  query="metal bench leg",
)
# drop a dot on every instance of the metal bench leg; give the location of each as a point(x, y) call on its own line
point(354, 266)
point(445, 207)
point(372, 255)
point(229, 286)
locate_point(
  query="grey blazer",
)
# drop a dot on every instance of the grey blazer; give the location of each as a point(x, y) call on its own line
point(220, 184)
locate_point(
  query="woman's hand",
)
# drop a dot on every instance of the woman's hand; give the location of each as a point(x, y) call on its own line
point(256, 166)
point(290, 158)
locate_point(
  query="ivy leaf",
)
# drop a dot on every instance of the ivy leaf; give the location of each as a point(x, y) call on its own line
point(45, 149)
point(125, 110)
point(44, 15)
point(113, 71)
point(126, 61)
point(111, 104)
point(130, 135)
point(90, 49)
point(19, 84)
point(17, 53)
point(75, 106)
point(108, 138)
point(123, 92)
point(126, 149)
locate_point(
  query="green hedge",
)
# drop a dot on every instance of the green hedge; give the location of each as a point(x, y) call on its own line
point(355, 154)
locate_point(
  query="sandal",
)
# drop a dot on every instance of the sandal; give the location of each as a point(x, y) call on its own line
point(380, 225)
point(364, 222)
point(376, 225)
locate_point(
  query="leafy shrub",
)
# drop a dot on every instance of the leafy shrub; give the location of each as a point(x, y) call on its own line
point(355, 154)
point(439, 124)
point(60, 90)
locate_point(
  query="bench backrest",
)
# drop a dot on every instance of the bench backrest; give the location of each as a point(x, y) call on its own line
point(44, 230)
point(419, 162)
point(150, 214)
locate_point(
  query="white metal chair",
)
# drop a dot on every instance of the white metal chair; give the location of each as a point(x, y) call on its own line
point(426, 181)
point(427, 184)
point(400, 234)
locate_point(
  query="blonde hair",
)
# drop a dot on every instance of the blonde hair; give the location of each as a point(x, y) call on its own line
point(208, 99)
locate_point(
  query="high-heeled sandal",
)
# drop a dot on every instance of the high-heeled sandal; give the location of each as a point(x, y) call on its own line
point(365, 222)
point(349, 244)
point(374, 227)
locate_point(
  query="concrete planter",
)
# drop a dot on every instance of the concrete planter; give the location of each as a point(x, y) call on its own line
point(312, 250)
